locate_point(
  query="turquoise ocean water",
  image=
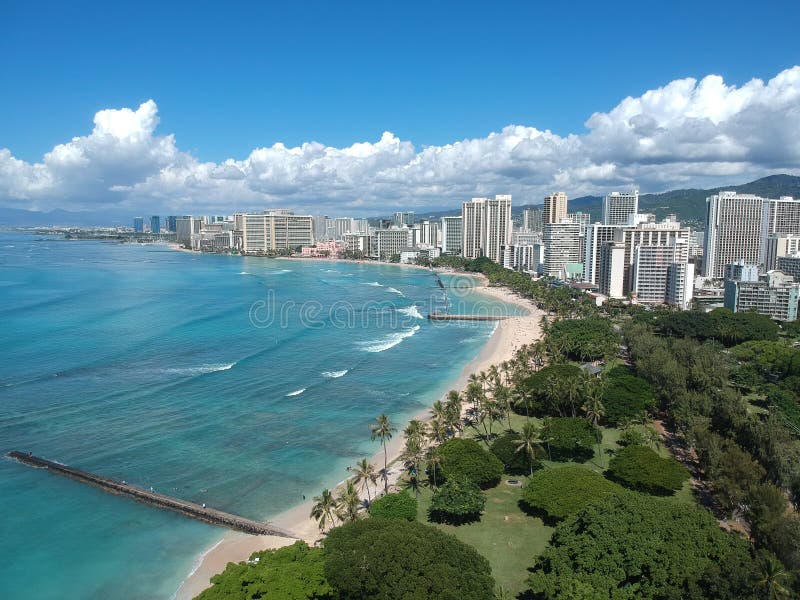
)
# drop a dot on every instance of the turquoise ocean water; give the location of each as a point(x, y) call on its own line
point(243, 383)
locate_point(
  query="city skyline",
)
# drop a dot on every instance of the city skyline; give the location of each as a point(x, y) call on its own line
point(279, 112)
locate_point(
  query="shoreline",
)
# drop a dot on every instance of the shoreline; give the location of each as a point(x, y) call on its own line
point(508, 335)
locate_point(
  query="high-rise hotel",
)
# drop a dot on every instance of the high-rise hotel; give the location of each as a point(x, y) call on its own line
point(554, 208)
point(619, 207)
point(738, 228)
point(485, 226)
point(273, 230)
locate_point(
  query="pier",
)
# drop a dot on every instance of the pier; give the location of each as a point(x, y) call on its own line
point(183, 507)
point(449, 317)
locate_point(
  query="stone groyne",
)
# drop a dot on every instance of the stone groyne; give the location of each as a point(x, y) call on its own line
point(187, 509)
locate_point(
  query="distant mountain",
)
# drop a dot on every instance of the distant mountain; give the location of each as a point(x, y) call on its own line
point(16, 217)
point(690, 205)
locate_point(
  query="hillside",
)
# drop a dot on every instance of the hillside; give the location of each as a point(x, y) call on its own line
point(690, 204)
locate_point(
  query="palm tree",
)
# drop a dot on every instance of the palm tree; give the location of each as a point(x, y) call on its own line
point(417, 431)
point(439, 410)
point(573, 391)
point(382, 429)
point(504, 399)
point(347, 503)
point(412, 456)
point(438, 431)
point(529, 441)
point(594, 409)
point(434, 460)
point(324, 510)
point(518, 396)
point(453, 408)
point(773, 576)
point(364, 475)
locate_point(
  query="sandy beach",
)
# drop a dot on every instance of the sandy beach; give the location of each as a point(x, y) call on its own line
point(509, 335)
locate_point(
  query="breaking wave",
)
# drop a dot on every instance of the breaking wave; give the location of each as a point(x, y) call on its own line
point(201, 370)
point(411, 311)
point(390, 341)
point(295, 393)
point(334, 374)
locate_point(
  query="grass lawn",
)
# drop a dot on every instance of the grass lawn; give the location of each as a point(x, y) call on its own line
point(506, 536)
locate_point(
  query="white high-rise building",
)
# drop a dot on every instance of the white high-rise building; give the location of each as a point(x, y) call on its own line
point(597, 236)
point(262, 233)
point(781, 217)
point(563, 244)
point(486, 226)
point(427, 233)
point(611, 270)
point(619, 207)
point(779, 245)
point(343, 225)
point(651, 233)
point(651, 269)
point(734, 225)
point(554, 209)
point(321, 227)
point(451, 235)
point(389, 242)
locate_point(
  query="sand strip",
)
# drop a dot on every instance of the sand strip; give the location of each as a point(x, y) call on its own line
point(509, 335)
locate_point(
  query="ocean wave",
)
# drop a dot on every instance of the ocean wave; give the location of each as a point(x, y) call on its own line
point(201, 370)
point(334, 374)
point(296, 392)
point(390, 341)
point(411, 311)
point(373, 284)
point(395, 291)
point(243, 273)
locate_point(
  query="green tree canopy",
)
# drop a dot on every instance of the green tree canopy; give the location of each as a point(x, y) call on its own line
point(630, 547)
point(721, 324)
point(395, 506)
point(295, 572)
point(640, 468)
point(570, 439)
point(546, 391)
point(514, 462)
point(390, 559)
point(626, 396)
point(584, 339)
point(458, 501)
point(561, 492)
point(462, 457)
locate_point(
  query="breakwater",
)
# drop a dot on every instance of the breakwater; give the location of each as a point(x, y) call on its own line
point(187, 509)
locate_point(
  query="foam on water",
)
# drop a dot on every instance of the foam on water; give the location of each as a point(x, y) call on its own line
point(390, 341)
point(411, 311)
point(200, 370)
point(373, 284)
point(334, 374)
point(395, 291)
point(296, 392)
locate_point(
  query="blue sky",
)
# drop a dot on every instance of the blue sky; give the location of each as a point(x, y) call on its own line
point(229, 79)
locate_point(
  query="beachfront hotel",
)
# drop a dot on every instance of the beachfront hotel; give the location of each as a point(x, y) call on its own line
point(486, 226)
point(273, 230)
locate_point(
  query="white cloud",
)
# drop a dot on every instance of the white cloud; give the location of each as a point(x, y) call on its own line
point(687, 133)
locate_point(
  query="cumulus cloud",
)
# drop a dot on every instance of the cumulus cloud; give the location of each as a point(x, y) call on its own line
point(686, 133)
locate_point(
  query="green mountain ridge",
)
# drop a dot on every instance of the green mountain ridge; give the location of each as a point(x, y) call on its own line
point(690, 204)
